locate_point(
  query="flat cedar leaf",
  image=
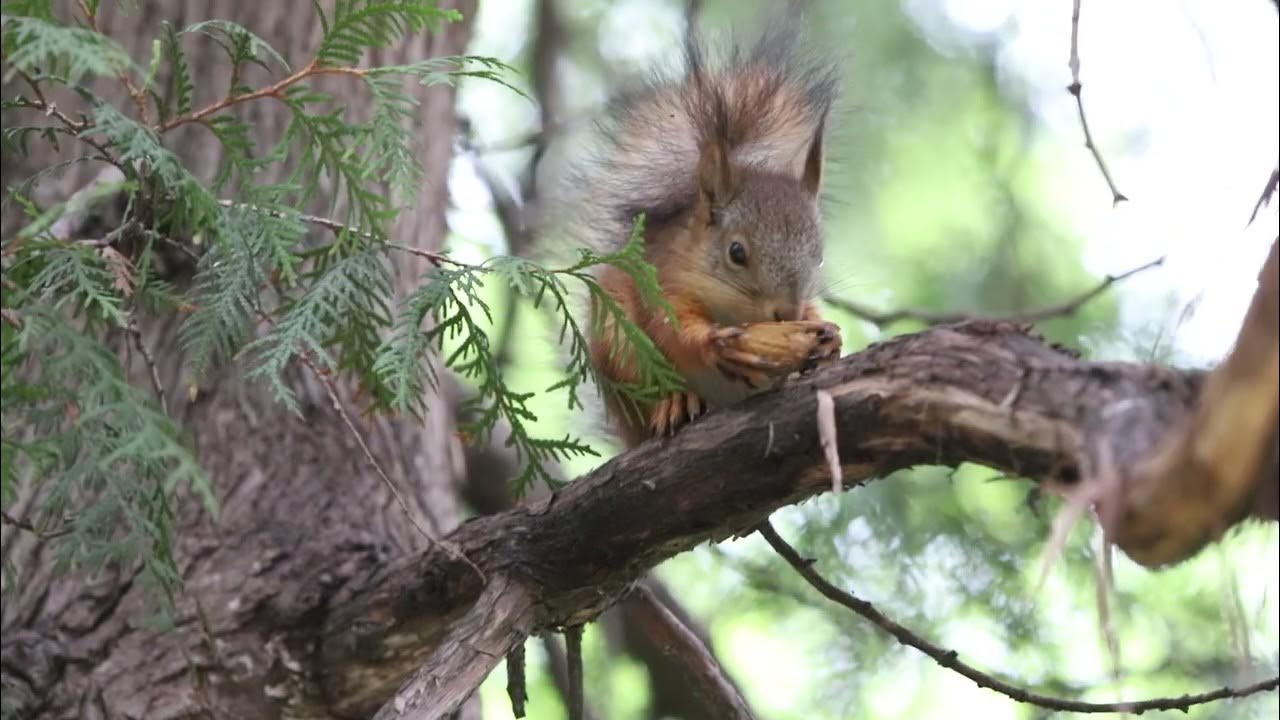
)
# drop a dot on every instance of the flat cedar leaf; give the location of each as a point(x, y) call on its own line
point(255, 48)
point(37, 45)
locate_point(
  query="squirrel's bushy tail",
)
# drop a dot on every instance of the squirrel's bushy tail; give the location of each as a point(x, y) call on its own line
point(764, 103)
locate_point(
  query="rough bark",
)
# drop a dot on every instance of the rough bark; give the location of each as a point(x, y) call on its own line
point(301, 510)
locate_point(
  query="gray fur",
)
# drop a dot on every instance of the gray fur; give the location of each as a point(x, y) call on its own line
point(644, 154)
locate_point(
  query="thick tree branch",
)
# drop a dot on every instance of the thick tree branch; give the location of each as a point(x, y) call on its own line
point(983, 392)
point(1220, 461)
point(951, 660)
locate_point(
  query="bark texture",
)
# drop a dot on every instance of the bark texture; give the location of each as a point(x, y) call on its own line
point(297, 494)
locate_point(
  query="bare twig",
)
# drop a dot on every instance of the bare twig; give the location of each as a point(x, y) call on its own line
point(332, 391)
point(1065, 308)
point(339, 408)
point(1267, 192)
point(1074, 88)
point(23, 524)
point(516, 688)
point(573, 649)
point(76, 128)
point(950, 659)
point(136, 333)
point(707, 678)
point(435, 259)
point(559, 662)
point(312, 69)
point(137, 94)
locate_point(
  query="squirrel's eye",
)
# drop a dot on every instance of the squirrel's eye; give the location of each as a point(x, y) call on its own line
point(737, 253)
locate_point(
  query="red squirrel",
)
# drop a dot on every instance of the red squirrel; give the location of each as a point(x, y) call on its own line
point(725, 161)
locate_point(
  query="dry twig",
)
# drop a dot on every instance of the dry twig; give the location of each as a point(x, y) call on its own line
point(1074, 88)
point(881, 318)
point(950, 658)
point(517, 690)
point(1267, 192)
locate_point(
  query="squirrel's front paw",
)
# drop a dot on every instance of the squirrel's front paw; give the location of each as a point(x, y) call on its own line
point(756, 352)
point(827, 348)
point(673, 411)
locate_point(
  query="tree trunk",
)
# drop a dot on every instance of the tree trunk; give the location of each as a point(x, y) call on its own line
point(297, 493)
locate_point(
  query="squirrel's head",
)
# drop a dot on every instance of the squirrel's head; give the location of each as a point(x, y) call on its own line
point(758, 234)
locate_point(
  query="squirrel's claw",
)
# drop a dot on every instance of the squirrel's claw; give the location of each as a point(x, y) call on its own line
point(673, 411)
point(827, 349)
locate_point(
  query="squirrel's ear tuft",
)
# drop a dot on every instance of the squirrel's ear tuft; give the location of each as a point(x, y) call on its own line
point(716, 176)
point(811, 176)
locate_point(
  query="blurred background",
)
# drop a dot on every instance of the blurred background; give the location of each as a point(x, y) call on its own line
point(958, 181)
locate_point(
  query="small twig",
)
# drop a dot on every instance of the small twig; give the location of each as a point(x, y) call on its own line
point(137, 94)
point(1267, 192)
point(950, 659)
point(22, 524)
point(1067, 307)
point(435, 259)
point(1074, 88)
point(516, 688)
point(313, 68)
point(573, 650)
point(138, 343)
point(76, 128)
point(332, 391)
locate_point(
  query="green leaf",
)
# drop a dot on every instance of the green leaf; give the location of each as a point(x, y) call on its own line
point(344, 306)
point(241, 45)
point(358, 25)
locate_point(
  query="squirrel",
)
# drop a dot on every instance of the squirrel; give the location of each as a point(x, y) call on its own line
point(725, 161)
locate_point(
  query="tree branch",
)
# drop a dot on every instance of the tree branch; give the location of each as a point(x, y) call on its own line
point(950, 659)
point(719, 696)
point(1067, 307)
point(1267, 192)
point(516, 688)
point(573, 653)
point(1219, 462)
point(938, 397)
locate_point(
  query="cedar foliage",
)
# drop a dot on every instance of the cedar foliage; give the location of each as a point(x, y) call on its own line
point(104, 457)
